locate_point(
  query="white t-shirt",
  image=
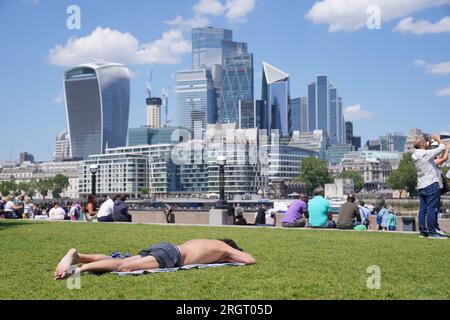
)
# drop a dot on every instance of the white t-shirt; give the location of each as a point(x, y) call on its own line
point(9, 206)
point(106, 209)
point(269, 219)
point(57, 213)
point(427, 170)
point(28, 208)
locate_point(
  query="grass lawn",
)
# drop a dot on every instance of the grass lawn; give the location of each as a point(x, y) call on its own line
point(292, 264)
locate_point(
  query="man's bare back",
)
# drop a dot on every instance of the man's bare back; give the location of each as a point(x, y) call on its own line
point(204, 251)
point(200, 251)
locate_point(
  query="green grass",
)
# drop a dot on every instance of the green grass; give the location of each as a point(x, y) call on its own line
point(292, 264)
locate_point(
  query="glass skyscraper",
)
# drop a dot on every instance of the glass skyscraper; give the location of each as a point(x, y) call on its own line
point(333, 121)
point(237, 84)
point(296, 112)
point(195, 98)
point(211, 46)
point(276, 93)
point(98, 104)
point(325, 111)
point(210, 49)
point(312, 107)
point(322, 104)
point(252, 114)
point(299, 114)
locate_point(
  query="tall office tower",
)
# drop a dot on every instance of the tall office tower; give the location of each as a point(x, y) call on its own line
point(341, 128)
point(296, 114)
point(210, 48)
point(348, 132)
point(252, 114)
point(98, 106)
point(154, 113)
point(237, 84)
point(311, 107)
point(322, 104)
point(195, 98)
point(62, 147)
point(303, 114)
point(276, 93)
point(299, 114)
point(333, 117)
point(325, 110)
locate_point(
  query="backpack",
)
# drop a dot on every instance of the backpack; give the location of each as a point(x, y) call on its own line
point(380, 216)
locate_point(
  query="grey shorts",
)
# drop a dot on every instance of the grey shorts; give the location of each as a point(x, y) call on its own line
point(167, 255)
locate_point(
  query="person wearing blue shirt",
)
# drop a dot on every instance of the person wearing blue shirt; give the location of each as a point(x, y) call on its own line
point(364, 212)
point(320, 215)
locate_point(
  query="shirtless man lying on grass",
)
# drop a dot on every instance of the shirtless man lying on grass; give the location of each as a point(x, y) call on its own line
point(164, 255)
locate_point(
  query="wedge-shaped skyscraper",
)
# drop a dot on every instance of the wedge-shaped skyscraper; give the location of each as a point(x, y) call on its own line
point(276, 93)
point(98, 105)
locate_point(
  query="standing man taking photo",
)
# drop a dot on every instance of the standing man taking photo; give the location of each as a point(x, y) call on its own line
point(429, 185)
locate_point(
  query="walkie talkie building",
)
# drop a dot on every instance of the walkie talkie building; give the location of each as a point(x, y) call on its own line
point(97, 99)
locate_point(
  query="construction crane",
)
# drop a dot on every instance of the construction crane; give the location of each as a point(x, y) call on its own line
point(148, 85)
point(165, 92)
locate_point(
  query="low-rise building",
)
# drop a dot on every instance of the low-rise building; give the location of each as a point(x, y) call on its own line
point(375, 171)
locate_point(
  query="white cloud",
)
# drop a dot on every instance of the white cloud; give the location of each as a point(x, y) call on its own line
point(237, 10)
point(209, 7)
point(355, 112)
point(437, 69)
point(351, 15)
point(444, 92)
point(59, 98)
point(188, 24)
point(408, 25)
point(116, 46)
point(233, 10)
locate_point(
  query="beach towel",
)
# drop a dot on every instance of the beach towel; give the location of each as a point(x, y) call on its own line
point(189, 267)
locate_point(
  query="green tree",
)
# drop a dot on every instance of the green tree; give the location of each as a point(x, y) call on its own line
point(144, 192)
point(27, 187)
point(43, 186)
point(60, 182)
point(358, 180)
point(314, 173)
point(7, 187)
point(405, 177)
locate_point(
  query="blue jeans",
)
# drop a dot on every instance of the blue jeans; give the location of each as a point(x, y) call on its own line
point(430, 198)
point(330, 224)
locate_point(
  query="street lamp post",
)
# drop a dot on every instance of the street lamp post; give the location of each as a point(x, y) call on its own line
point(222, 203)
point(94, 169)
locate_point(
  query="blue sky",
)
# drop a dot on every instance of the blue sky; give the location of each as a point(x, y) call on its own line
point(391, 79)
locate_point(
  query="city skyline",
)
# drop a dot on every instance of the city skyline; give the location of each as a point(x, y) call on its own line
point(384, 75)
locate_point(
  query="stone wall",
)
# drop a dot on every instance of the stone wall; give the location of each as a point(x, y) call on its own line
point(202, 218)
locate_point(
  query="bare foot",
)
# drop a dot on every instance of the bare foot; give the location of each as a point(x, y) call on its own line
point(64, 265)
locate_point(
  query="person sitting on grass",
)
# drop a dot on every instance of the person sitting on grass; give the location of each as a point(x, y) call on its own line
point(57, 213)
point(364, 213)
point(349, 216)
point(392, 221)
point(160, 256)
point(296, 214)
point(320, 215)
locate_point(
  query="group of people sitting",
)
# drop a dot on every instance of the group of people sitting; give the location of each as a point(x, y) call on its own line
point(316, 213)
point(113, 209)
